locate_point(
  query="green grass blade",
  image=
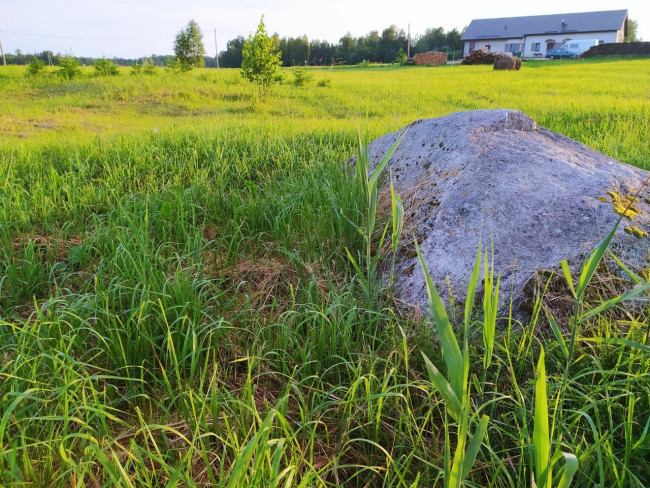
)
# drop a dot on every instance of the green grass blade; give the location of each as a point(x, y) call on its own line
point(592, 263)
point(449, 344)
point(242, 463)
point(557, 333)
point(569, 471)
point(637, 290)
point(384, 161)
point(452, 402)
point(471, 289)
point(398, 216)
point(541, 439)
point(474, 446)
point(615, 340)
point(633, 276)
point(568, 277)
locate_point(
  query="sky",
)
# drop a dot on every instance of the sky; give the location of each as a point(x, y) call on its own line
point(134, 28)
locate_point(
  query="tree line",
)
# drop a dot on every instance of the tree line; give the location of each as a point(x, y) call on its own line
point(294, 51)
point(374, 47)
point(49, 58)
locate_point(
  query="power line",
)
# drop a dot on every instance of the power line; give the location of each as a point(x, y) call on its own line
point(96, 38)
point(81, 38)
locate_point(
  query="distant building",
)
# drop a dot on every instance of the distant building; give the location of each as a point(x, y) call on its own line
point(533, 36)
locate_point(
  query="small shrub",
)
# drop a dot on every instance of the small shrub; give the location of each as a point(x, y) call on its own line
point(301, 77)
point(174, 65)
point(279, 78)
point(146, 68)
point(68, 68)
point(36, 68)
point(260, 60)
point(401, 57)
point(364, 64)
point(324, 83)
point(106, 67)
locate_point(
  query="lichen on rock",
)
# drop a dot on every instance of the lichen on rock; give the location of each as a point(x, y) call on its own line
point(636, 232)
point(624, 205)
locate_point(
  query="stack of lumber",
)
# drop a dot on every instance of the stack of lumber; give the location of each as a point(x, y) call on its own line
point(480, 57)
point(432, 57)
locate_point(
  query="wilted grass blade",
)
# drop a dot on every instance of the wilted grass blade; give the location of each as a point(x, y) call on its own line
point(637, 290)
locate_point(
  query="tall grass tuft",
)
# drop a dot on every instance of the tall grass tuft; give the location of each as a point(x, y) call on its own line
point(455, 389)
point(368, 268)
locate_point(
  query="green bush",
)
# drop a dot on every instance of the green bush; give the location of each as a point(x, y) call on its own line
point(36, 68)
point(106, 67)
point(146, 68)
point(401, 57)
point(174, 65)
point(301, 77)
point(68, 68)
point(324, 83)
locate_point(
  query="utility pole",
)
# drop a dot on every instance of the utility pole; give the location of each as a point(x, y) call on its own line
point(216, 49)
point(408, 45)
point(4, 61)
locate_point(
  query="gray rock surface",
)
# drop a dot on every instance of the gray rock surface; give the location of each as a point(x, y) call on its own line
point(495, 174)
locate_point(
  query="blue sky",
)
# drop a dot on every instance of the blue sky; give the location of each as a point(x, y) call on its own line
point(133, 28)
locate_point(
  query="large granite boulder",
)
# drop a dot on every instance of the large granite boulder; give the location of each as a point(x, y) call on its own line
point(497, 176)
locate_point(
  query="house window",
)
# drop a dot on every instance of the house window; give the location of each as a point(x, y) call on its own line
point(472, 44)
point(535, 46)
point(488, 46)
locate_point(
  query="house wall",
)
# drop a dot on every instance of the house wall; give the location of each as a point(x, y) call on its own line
point(496, 45)
point(560, 39)
point(499, 45)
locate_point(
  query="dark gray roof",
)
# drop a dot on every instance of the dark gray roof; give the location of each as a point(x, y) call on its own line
point(513, 27)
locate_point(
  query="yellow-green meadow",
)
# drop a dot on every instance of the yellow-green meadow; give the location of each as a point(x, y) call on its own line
point(178, 306)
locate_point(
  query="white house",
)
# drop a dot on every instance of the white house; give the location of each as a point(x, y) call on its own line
point(532, 36)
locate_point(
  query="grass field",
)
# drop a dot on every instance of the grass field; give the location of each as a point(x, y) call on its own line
point(177, 307)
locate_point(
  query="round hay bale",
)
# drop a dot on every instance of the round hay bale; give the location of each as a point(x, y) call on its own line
point(507, 63)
